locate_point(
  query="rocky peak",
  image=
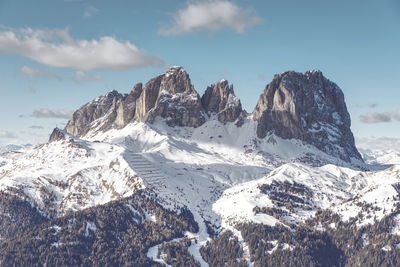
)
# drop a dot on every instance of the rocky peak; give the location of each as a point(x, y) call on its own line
point(220, 99)
point(57, 135)
point(176, 80)
point(170, 96)
point(135, 93)
point(308, 107)
point(82, 119)
point(126, 108)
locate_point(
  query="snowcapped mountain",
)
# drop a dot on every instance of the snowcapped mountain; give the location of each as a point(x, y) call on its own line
point(384, 150)
point(13, 148)
point(186, 177)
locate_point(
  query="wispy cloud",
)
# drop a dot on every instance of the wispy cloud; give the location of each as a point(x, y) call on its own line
point(33, 73)
point(7, 134)
point(57, 48)
point(36, 127)
point(260, 77)
point(396, 115)
point(90, 11)
point(78, 77)
point(48, 113)
point(210, 16)
point(373, 105)
point(81, 77)
point(376, 117)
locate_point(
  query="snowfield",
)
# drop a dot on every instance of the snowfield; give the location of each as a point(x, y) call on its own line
point(223, 173)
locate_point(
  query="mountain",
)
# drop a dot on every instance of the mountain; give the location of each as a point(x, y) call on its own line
point(13, 148)
point(307, 107)
point(162, 176)
point(381, 151)
point(220, 99)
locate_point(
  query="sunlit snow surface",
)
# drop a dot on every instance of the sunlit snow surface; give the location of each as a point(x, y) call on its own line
point(383, 150)
point(216, 170)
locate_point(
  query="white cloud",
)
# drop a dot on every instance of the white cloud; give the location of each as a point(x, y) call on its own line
point(7, 134)
point(78, 77)
point(373, 105)
point(48, 113)
point(261, 77)
point(57, 48)
point(36, 127)
point(90, 11)
point(376, 117)
point(33, 73)
point(396, 115)
point(211, 16)
point(81, 77)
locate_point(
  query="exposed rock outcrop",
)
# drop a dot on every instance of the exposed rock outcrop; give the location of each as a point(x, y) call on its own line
point(172, 97)
point(148, 98)
point(113, 110)
point(127, 107)
point(220, 99)
point(307, 107)
point(57, 135)
point(104, 108)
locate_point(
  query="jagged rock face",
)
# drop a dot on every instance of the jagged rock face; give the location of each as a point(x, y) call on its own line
point(220, 99)
point(82, 119)
point(172, 97)
point(113, 110)
point(307, 107)
point(56, 135)
point(148, 98)
point(126, 108)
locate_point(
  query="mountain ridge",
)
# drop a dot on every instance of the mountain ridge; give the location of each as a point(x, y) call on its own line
point(161, 191)
point(285, 108)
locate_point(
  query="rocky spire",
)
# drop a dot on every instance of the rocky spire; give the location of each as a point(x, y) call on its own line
point(82, 119)
point(171, 96)
point(148, 98)
point(127, 107)
point(220, 99)
point(57, 135)
point(307, 107)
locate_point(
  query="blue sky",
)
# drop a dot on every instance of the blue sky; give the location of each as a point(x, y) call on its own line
point(56, 55)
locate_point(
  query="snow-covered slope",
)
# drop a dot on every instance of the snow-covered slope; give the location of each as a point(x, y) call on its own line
point(224, 174)
point(383, 151)
point(181, 166)
point(293, 193)
point(69, 175)
point(190, 163)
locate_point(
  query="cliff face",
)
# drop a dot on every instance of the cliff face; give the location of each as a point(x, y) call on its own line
point(103, 108)
point(127, 107)
point(177, 101)
point(303, 106)
point(306, 107)
point(220, 99)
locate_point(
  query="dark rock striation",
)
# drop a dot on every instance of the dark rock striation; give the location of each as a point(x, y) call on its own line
point(177, 101)
point(57, 135)
point(127, 107)
point(113, 110)
point(307, 107)
point(104, 108)
point(220, 99)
